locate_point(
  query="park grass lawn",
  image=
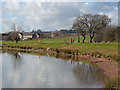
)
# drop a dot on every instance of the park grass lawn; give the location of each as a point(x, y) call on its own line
point(107, 49)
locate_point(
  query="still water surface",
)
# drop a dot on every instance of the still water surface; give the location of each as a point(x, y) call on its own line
point(21, 70)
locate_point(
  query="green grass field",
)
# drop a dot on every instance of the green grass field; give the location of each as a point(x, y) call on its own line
point(106, 49)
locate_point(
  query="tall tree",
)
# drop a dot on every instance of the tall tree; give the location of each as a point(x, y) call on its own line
point(14, 35)
point(91, 23)
point(79, 28)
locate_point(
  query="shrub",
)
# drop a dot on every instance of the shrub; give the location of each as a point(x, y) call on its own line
point(109, 34)
point(112, 83)
point(99, 36)
point(13, 36)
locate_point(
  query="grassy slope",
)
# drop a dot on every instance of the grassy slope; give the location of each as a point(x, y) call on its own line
point(108, 49)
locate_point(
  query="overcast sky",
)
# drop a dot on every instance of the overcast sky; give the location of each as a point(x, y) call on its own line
point(50, 16)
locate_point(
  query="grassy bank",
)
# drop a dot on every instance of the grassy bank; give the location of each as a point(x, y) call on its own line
point(113, 83)
point(106, 50)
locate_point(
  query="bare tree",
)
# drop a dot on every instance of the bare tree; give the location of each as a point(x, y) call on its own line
point(91, 23)
point(14, 35)
point(79, 28)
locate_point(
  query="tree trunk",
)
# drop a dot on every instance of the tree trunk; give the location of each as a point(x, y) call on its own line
point(91, 38)
point(83, 38)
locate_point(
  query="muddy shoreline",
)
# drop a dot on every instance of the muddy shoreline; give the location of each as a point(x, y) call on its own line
point(109, 67)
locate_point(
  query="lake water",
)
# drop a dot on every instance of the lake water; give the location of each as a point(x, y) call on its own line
point(21, 70)
point(0, 71)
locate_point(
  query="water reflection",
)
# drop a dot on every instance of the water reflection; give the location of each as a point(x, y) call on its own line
point(71, 61)
point(16, 60)
point(87, 73)
point(0, 71)
point(48, 72)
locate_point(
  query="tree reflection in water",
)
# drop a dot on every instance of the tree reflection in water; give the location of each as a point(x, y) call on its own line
point(16, 59)
point(87, 73)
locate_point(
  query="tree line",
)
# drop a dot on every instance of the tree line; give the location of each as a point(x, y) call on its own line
point(97, 26)
point(109, 34)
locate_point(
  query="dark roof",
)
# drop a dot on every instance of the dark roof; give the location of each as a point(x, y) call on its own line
point(67, 31)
